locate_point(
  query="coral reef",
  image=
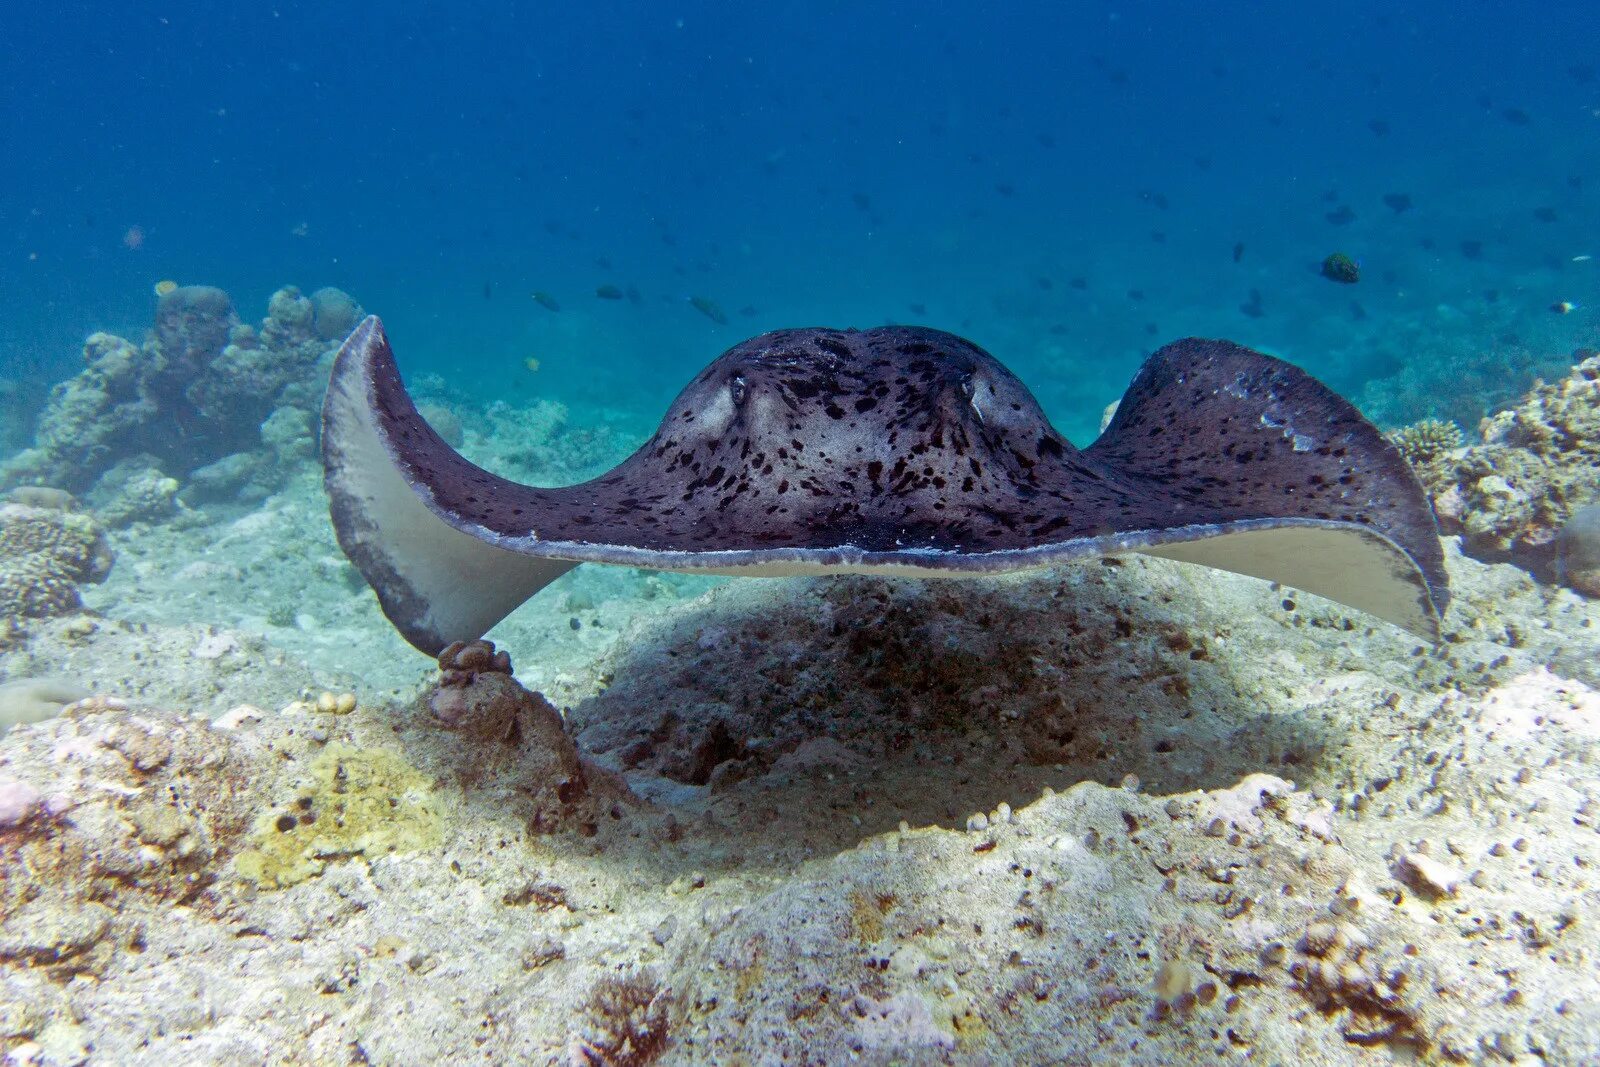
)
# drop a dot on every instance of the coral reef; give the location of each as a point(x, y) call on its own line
point(1538, 462)
point(194, 392)
point(45, 553)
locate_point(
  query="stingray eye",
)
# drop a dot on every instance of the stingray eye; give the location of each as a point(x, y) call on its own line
point(737, 389)
point(967, 388)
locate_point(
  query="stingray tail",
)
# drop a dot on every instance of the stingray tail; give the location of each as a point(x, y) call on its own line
point(436, 583)
point(1283, 478)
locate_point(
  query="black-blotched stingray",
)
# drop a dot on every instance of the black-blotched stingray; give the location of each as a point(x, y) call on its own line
point(897, 451)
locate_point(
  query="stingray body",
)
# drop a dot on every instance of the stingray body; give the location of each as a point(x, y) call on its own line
point(897, 451)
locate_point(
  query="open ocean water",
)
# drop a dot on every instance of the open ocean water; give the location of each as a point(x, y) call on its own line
point(1070, 185)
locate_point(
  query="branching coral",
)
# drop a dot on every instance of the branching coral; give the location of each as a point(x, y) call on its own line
point(625, 1024)
point(1426, 440)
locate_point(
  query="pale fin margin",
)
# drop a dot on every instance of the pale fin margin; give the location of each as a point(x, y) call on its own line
point(436, 583)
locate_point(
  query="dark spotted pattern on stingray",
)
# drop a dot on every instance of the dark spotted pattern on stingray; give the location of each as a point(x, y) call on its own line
point(872, 447)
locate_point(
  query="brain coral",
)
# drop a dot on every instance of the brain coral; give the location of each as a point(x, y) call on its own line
point(44, 554)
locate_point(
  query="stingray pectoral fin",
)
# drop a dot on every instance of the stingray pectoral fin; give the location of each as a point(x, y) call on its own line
point(1247, 463)
point(436, 583)
point(1347, 564)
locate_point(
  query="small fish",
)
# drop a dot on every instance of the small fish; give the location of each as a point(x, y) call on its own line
point(1472, 249)
point(1238, 251)
point(603, 262)
point(488, 290)
point(1135, 294)
point(1342, 217)
point(1079, 283)
point(1397, 202)
point(1158, 236)
point(1516, 116)
point(532, 364)
point(165, 286)
point(1379, 127)
point(1005, 189)
point(1545, 214)
point(861, 200)
point(1582, 259)
point(1044, 283)
point(1491, 296)
point(1563, 307)
point(1252, 307)
point(919, 309)
point(545, 300)
point(608, 292)
point(709, 309)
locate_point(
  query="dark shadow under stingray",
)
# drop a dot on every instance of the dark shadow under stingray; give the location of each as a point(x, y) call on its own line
point(899, 451)
point(860, 703)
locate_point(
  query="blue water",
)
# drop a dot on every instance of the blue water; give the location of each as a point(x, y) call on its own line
point(839, 164)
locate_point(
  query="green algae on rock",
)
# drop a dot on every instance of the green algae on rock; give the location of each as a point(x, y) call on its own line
point(362, 802)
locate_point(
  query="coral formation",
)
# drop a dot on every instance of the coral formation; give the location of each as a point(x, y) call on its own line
point(334, 313)
point(1538, 462)
point(1339, 267)
point(478, 698)
point(135, 490)
point(45, 553)
point(129, 807)
point(1426, 439)
point(194, 392)
point(625, 1024)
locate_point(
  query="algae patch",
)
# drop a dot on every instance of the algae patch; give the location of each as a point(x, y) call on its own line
point(361, 802)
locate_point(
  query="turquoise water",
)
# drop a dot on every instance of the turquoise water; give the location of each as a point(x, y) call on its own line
point(1068, 185)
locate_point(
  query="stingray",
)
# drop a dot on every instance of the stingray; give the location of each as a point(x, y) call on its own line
point(900, 451)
